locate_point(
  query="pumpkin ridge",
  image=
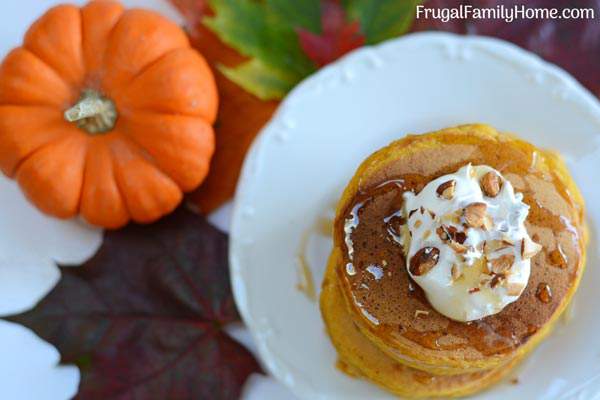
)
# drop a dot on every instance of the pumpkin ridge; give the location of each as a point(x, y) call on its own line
point(153, 153)
point(32, 153)
point(118, 182)
point(84, 40)
point(49, 68)
point(138, 155)
point(55, 130)
point(84, 166)
point(183, 94)
point(131, 16)
point(146, 67)
point(79, 45)
point(78, 147)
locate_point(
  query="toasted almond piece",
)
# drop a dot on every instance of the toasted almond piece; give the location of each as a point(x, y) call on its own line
point(508, 240)
point(496, 280)
point(457, 247)
point(420, 312)
point(460, 237)
point(455, 272)
point(446, 189)
point(529, 248)
point(495, 245)
point(502, 264)
point(424, 260)
point(490, 184)
point(475, 214)
point(514, 289)
point(442, 233)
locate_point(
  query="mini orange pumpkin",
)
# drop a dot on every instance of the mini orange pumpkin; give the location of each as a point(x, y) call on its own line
point(106, 113)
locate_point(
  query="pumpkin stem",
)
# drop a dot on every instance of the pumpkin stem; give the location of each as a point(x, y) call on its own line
point(93, 113)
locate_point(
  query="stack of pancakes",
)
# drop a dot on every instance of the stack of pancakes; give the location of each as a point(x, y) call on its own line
point(380, 322)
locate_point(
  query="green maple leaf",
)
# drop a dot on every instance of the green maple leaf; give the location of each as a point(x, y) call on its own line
point(382, 19)
point(265, 31)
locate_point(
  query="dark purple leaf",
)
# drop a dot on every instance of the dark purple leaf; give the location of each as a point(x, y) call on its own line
point(143, 318)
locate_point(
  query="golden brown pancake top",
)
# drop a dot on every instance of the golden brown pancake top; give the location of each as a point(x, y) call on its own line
point(399, 305)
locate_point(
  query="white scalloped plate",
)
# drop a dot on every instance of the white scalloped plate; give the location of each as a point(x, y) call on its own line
point(300, 162)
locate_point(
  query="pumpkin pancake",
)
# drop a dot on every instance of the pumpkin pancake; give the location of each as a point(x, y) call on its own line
point(392, 311)
point(361, 358)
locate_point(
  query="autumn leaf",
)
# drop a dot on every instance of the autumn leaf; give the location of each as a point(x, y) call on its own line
point(382, 19)
point(337, 38)
point(261, 31)
point(144, 317)
point(286, 40)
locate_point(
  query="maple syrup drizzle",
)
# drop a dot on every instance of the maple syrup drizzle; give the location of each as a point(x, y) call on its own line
point(306, 282)
point(544, 293)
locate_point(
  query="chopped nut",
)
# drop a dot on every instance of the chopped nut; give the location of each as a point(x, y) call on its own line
point(455, 272)
point(431, 214)
point(384, 263)
point(424, 260)
point(459, 237)
point(474, 290)
point(496, 280)
point(420, 312)
point(514, 289)
point(496, 245)
point(442, 233)
point(502, 264)
point(446, 189)
point(475, 214)
point(411, 213)
point(457, 247)
point(451, 233)
point(490, 184)
point(529, 248)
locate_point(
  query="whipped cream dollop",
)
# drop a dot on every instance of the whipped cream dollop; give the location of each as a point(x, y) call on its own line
point(466, 243)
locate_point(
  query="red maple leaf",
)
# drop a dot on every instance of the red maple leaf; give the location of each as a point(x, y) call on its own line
point(338, 37)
